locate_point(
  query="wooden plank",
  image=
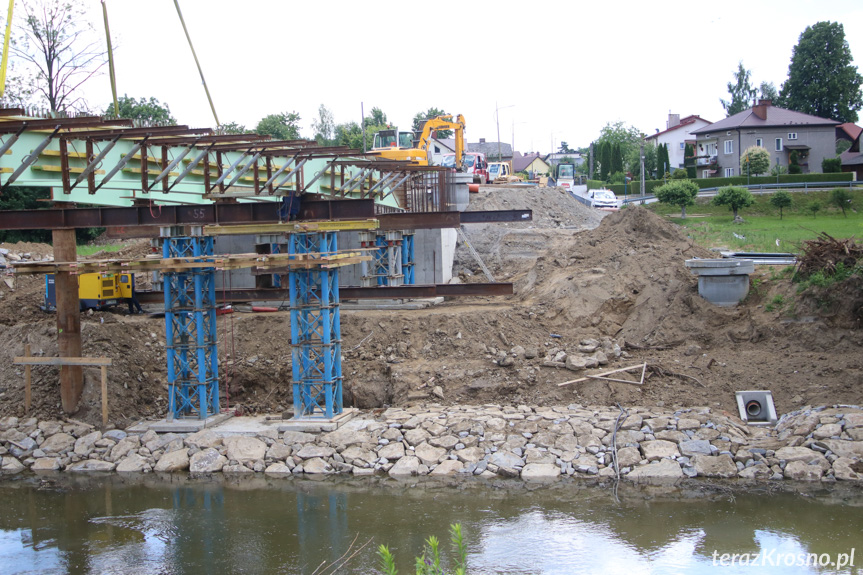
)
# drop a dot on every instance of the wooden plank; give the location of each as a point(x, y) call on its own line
point(61, 361)
point(603, 375)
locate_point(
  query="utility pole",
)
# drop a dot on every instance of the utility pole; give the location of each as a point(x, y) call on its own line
point(642, 167)
point(497, 121)
point(592, 156)
point(363, 124)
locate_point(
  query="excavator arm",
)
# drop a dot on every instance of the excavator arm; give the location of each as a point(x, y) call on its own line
point(445, 123)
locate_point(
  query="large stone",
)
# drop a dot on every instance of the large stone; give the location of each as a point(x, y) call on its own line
point(346, 436)
point(662, 470)
point(316, 466)
point(84, 445)
point(11, 465)
point(695, 447)
point(294, 437)
point(470, 454)
point(204, 439)
point(844, 448)
point(173, 461)
point(444, 441)
point(279, 450)
point(757, 471)
point(207, 461)
point(801, 471)
point(405, 466)
point(22, 448)
point(46, 464)
point(429, 455)
point(356, 455)
point(685, 423)
point(416, 436)
point(628, 457)
point(91, 466)
point(827, 431)
point(124, 447)
point(133, 463)
point(448, 467)
point(576, 362)
point(392, 451)
point(58, 443)
point(245, 449)
point(506, 459)
point(115, 435)
point(659, 449)
point(540, 471)
point(853, 420)
point(278, 469)
point(846, 469)
point(714, 465)
point(671, 435)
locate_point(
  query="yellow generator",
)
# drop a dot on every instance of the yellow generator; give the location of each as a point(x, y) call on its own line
point(96, 290)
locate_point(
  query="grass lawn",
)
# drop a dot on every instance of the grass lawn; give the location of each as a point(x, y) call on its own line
point(89, 250)
point(711, 226)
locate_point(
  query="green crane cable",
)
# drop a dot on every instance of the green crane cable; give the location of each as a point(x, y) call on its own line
point(110, 60)
point(5, 59)
point(201, 72)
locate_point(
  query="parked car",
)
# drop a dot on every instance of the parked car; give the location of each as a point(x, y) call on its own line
point(474, 164)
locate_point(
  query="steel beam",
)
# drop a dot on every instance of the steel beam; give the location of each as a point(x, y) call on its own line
point(354, 292)
point(494, 216)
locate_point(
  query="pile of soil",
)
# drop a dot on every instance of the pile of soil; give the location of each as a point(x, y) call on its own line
point(578, 275)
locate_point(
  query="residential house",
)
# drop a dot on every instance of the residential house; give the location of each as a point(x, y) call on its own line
point(677, 133)
point(494, 151)
point(555, 158)
point(779, 131)
point(530, 163)
point(848, 131)
point(439, 147)
point(852, 159)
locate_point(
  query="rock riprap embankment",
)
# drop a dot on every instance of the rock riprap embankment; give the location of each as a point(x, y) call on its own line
point(533, 443)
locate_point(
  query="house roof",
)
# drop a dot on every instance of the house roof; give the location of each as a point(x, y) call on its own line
point(850, 158)
point(520, 163)
point(774, 117)
point(850, 129)
point(490, 149)
point(683, 123)
point(448, 143)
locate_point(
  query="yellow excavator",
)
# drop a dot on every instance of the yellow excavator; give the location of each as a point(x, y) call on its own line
point(399, 145)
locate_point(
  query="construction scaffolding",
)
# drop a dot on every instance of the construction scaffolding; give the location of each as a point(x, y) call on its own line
point(190, 330)
point(392, 253)
point(316, 338)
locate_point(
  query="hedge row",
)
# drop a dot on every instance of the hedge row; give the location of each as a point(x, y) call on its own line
point(632, 188)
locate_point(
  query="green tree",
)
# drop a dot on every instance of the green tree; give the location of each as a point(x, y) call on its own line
point(565, 149)
point(831, 165)
point(680, 193)
point(232, 128)
point(421, 117)
point(604, 161)
point(794, 162)
point(680, 175)
point(780, 199)
point(689, 161)
point(280, 126)
point(756, 160)
point(814, 207)
point(663, 163)
point(629, 139)
point(841, 198)
point(616, 159)
point(61, 49)
point(376, 118)
point(767, 91)
point(150, 112)
point(741, 90)
point(821, 78)
point(324, 126)
point(842, 146)
point(350, 134)
point(733, 197)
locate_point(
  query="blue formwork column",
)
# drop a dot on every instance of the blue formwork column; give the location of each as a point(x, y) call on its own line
point(316, 350)
point(190, 331)
point(381, 260)
point(408, 257)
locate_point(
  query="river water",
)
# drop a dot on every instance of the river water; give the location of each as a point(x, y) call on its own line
point(175, 524)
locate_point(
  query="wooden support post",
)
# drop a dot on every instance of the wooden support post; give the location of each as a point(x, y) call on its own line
point(27, 380)
point(68, 320)
point(104, 397)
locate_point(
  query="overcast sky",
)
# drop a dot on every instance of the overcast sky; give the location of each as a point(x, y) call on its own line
point(557, 70)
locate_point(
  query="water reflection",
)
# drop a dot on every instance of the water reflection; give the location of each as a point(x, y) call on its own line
point(261, 525)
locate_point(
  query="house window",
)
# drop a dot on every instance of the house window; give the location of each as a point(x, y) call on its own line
point(705, 173)
point(711, 149)
point(778, 144)
point(682, 145)
point(792, 135)
point(729, 172)
point(729, 146)
point(759, 142)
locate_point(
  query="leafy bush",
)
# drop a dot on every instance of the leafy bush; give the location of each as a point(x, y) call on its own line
point(680, 175)
point(841, 198)
point(733, 197)
point(755, 160)
point(780, 199)
point(429, 563)
point(831, 165)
